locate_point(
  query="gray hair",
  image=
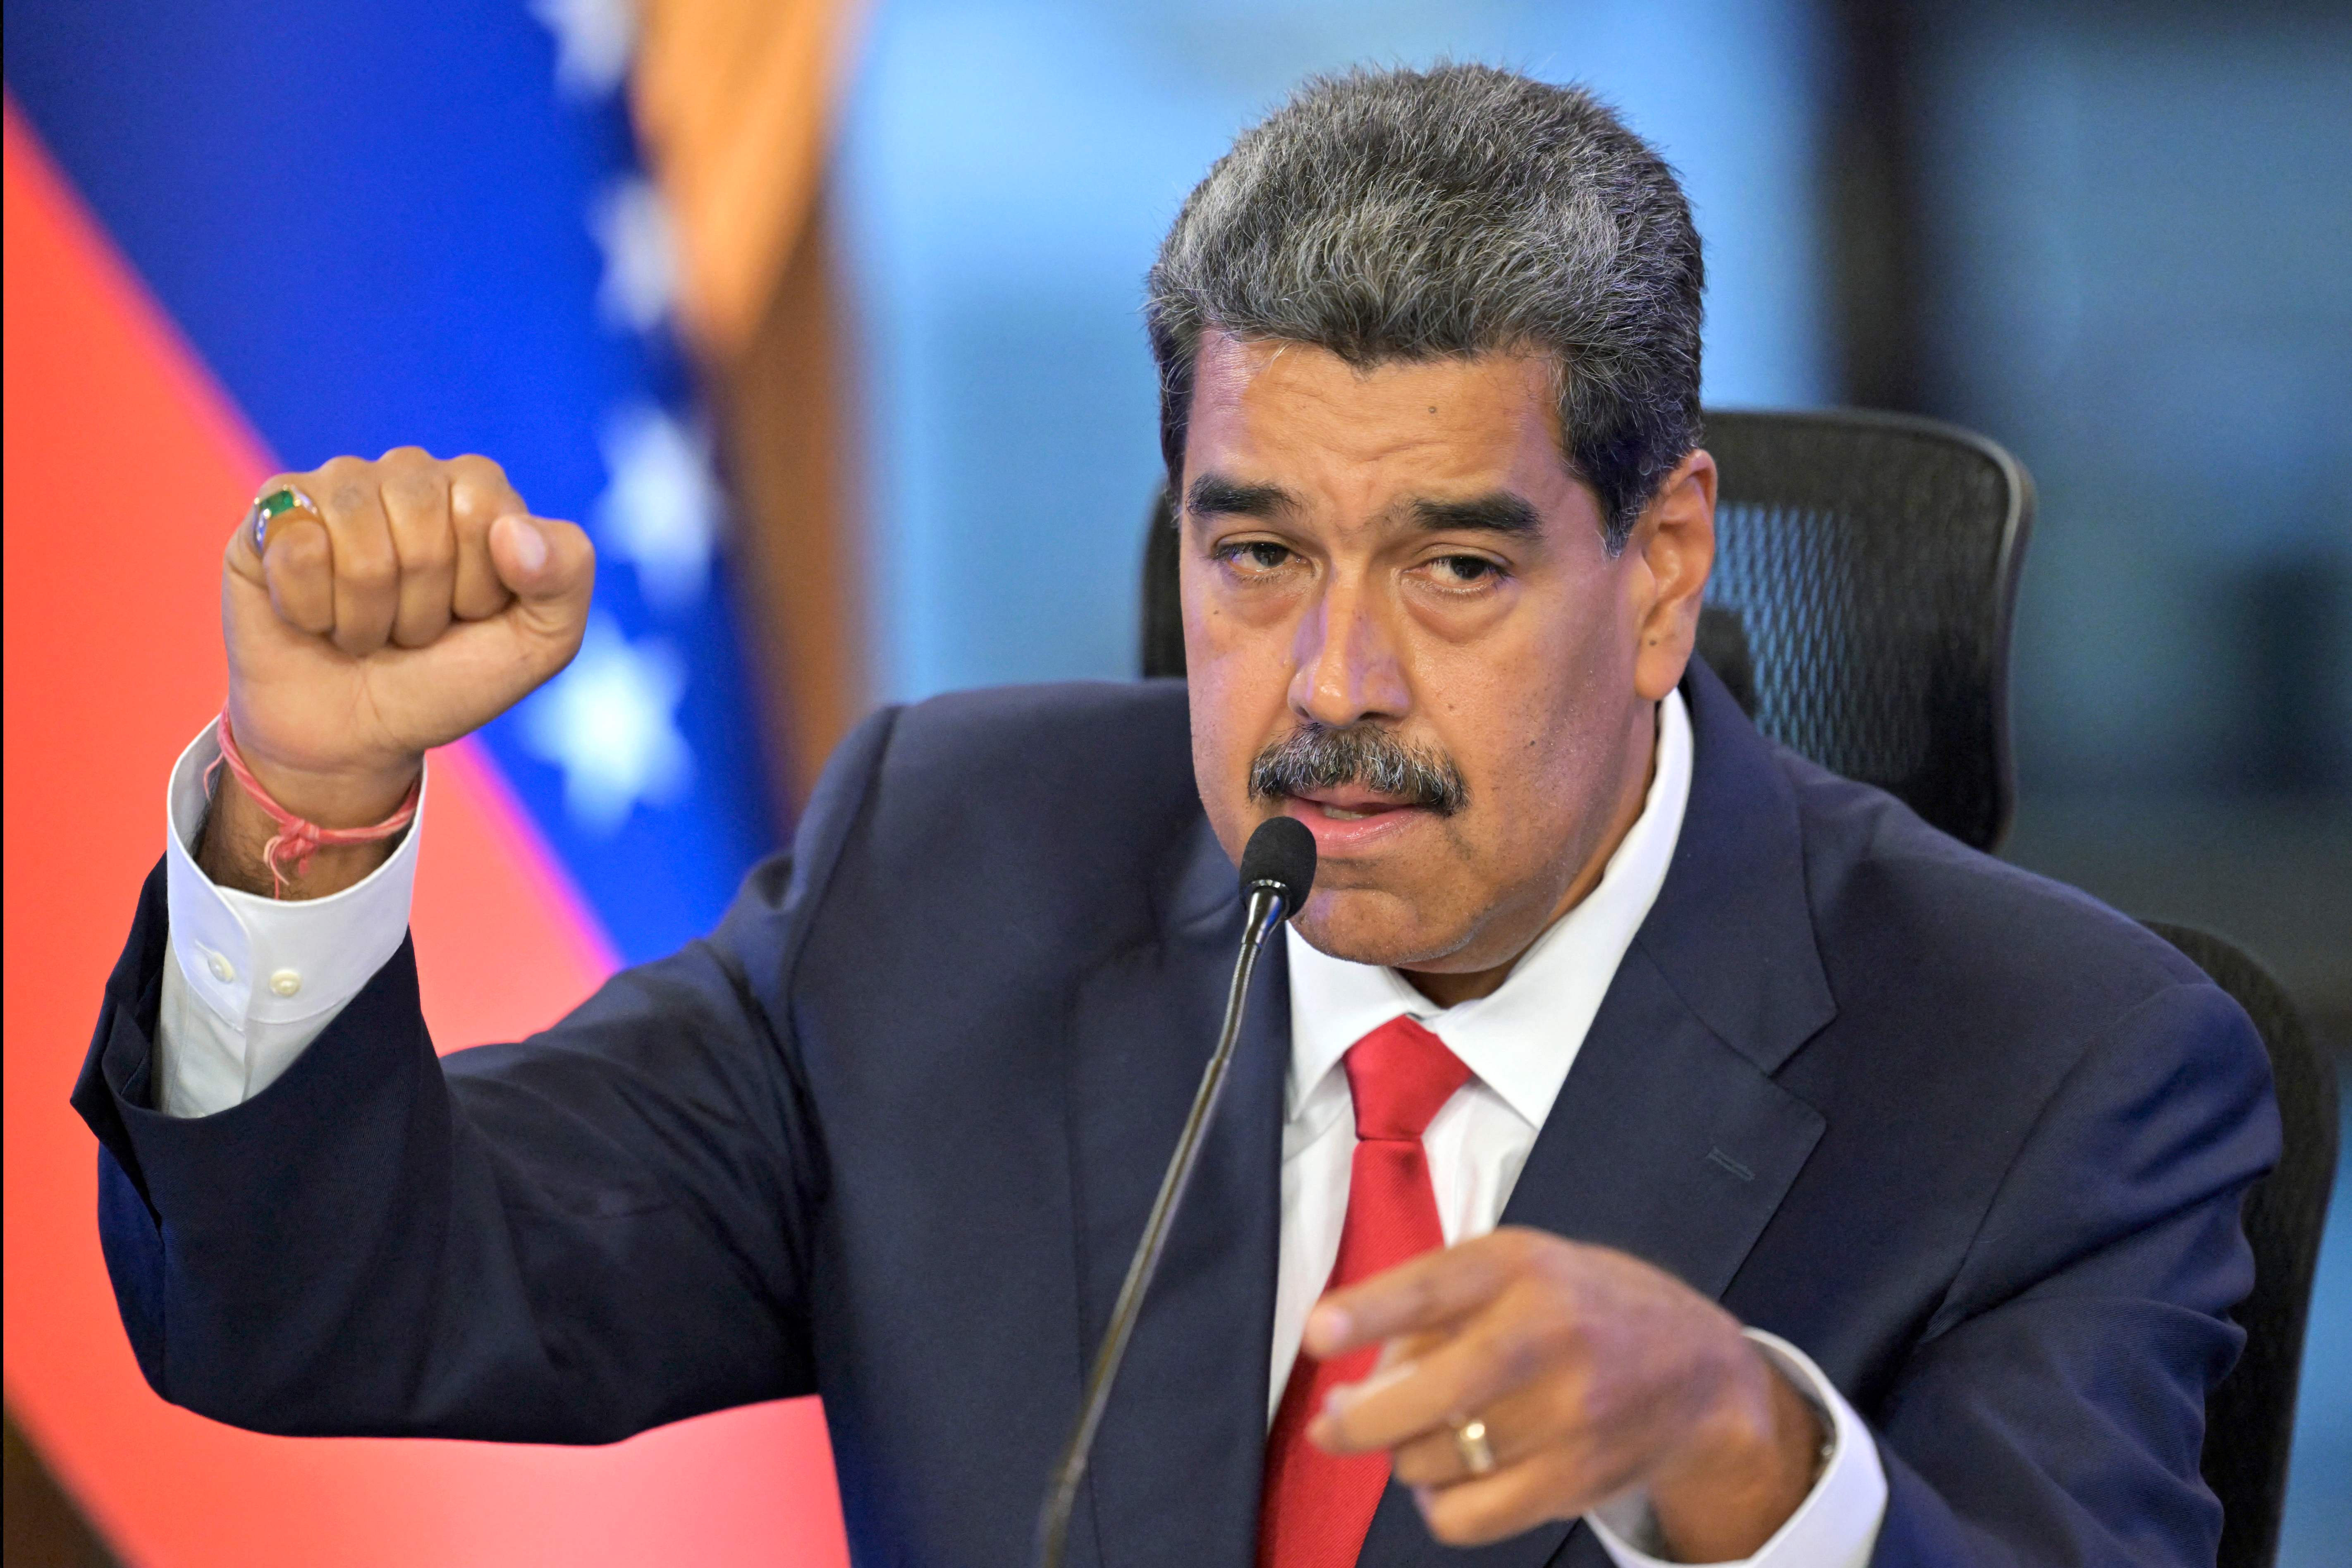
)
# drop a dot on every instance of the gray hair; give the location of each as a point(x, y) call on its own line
point(1399, 214)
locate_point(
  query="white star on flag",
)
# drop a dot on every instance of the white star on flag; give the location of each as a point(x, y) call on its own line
point(593, 41)
point(662, 507)
point(609, 721)
point(631, 227)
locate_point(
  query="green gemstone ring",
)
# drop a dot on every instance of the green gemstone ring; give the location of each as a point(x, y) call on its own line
point(275, 503)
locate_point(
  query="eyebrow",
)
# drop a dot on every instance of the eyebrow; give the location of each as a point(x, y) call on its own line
point(1214, 495)
point(1499, 511)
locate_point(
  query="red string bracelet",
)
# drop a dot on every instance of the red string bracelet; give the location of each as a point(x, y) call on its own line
point(297, 839)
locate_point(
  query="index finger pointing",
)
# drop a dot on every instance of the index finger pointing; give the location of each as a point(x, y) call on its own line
point(1429, 1292)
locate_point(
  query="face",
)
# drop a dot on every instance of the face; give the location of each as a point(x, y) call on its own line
point(1396, 566)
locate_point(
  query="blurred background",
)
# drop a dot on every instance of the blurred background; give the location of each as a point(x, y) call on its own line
point(823, 317)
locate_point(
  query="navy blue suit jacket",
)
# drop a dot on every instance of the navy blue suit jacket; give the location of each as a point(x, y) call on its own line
point(1974, 1142)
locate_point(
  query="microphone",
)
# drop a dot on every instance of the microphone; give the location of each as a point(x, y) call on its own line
point(1278, 869)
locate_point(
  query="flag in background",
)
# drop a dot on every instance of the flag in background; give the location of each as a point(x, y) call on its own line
point(425, 224)
point(250, 235)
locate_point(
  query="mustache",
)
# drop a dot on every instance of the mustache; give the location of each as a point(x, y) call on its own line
point(1325, 756)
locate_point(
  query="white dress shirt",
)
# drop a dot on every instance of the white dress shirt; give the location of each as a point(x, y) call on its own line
point(1519, 1043)
point(255, 980)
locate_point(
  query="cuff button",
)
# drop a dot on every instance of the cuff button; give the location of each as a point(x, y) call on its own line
point(286, 983)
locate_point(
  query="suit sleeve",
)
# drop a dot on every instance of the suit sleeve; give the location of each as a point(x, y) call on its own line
point(568, 1239)
point(2054, 1411)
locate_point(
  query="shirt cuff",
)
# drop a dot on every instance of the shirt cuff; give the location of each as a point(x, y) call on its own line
point(1837, 1524)
point(260, 978)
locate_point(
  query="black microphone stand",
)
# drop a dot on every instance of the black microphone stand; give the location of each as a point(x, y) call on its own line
point(1268, 898)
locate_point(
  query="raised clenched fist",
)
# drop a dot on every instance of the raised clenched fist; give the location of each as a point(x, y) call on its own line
point(417, 602)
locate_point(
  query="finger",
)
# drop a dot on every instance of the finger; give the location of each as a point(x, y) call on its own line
point(1528, 1423)
point(416, 492)
point(1435, 1459)
point(478, 496)
point(551, 568)
point(367, 569)
point(299, 572)
point(1429, 1292)
point(1496, 1354)
point(244, 551)
point(288, 559)
point(1506, 1503)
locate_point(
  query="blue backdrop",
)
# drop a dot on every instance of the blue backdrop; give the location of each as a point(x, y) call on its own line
point(1007, 168)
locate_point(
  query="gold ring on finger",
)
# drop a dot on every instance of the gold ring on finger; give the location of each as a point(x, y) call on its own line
point(274, 503)
point(1470, 1442)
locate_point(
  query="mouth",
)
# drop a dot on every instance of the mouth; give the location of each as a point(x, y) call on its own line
point(1350, 805)
point(1355, 786)
point(1350, 820)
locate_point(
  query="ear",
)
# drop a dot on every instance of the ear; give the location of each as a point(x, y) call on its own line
point(1673, 549)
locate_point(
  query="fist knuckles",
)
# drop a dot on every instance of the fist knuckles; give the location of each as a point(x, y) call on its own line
point(390, 551)
point(404, 603)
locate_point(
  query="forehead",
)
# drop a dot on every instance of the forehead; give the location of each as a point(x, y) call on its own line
point(1262, 406)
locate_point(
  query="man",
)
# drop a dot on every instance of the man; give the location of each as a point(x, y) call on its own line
point(1697, 1157)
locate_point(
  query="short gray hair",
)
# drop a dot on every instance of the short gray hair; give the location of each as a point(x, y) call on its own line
point(1399, 214)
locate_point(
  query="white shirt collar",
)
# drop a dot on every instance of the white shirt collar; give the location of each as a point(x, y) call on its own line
point(1521, 1040)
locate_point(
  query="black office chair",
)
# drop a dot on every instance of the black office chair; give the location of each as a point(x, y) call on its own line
point(1865, 569)
point(2250, 1418)
point(1163, 613)
point(1866, 565)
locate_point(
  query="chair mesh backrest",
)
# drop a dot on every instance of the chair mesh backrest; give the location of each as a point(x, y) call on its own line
point(1864, 570)
point(2250, 1418)
point(1163, 610)
point(1865, 566)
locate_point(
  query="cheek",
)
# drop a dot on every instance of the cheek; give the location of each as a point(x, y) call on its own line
point(1231, 721)
point(1529, 731)
point(1239, 677)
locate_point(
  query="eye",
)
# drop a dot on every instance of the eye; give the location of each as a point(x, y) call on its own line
point(1255, 557)
point(1464, 570)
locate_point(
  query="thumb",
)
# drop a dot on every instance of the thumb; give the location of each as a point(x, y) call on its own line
point(549, 567)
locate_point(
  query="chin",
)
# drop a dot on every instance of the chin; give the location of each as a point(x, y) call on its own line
point(1371, 925)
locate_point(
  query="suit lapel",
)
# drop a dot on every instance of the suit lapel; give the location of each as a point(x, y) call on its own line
point(1669, 1138)
point(1176, 1466)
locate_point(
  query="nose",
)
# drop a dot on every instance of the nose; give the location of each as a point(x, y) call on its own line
point(1346, 659)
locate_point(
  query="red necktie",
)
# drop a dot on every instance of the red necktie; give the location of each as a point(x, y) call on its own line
point(1317, 1507)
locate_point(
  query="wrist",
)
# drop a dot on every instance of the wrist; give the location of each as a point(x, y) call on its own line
point(232, 850)
point(309, 781)
point(251, 830)
point(1746, 1466)
point(339, 797)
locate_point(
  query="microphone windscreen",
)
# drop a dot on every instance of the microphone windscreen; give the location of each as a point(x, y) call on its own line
point(1280, 854)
